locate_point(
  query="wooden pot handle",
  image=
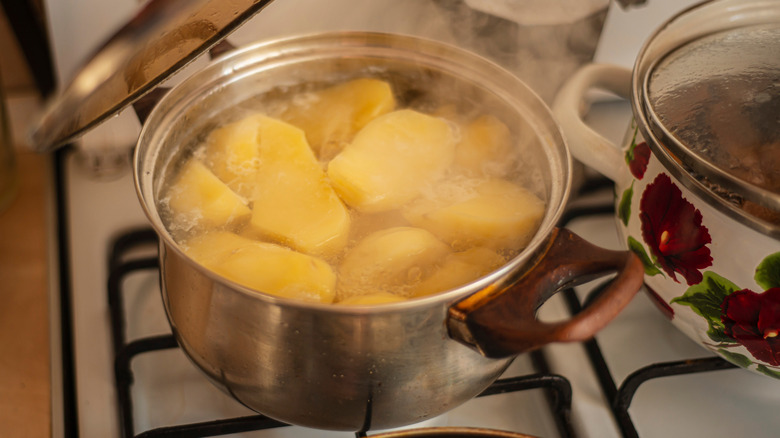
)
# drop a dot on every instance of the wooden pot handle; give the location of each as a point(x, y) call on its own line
point(500, 320)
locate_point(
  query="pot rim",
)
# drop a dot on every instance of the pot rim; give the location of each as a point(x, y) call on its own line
point(676, 32)
point(237, 62)
point(445, 432)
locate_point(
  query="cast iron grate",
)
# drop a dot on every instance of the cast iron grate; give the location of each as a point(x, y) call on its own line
point(557, 388)
point(620, 397)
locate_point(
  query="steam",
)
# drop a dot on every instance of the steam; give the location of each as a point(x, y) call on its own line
point(541, 41)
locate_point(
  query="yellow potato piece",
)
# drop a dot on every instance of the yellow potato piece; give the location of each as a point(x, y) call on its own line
point(458, 269)
point(391, 160)
point(233, 154)
point(198, 198)
point(331, 117)
point(214, 247)
point(389, 261)
point(293, 201)
point(485, 147)
point(493, 213)
point(371, 299)
point(265, 267)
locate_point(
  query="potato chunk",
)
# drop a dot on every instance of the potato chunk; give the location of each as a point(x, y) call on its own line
point(331, 117)
point(233, 154)
point(458, 269)
point(198, 198)
point(485, 147)
point(265, 267)
point(493, 213)
point(389, 261)
point(293, 202)
point(391, 160)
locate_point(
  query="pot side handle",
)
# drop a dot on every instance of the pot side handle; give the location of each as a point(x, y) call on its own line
point(570, 105)
point(500, 321)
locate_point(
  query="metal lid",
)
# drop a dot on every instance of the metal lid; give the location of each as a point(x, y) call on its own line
point(161, 39)
point(715, 102)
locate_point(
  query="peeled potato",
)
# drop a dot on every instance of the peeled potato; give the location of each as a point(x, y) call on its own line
point(198, 198)
point(331, 117)
point(370, 299)
point(458, 269)
point(485, 147)
point(265, 267)
point(214, 247)
point(233, 155)
point(493, 213)
point(389, 261)
point(391, 159)
point(292, 200)
point(264, 202)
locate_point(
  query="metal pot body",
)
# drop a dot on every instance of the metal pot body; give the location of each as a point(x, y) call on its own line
point(710, 266)
point(322, 367)
point(356, 367)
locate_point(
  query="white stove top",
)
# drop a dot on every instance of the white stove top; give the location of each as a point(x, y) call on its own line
point(168, 390)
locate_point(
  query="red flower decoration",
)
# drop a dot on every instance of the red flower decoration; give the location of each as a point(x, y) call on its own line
point(672, 229)
point(753, 320)
point(637, 157)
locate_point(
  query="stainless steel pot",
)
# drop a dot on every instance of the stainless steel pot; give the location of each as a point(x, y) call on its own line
point(363, 367)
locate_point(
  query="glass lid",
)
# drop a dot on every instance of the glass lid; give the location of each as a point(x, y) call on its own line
point(715, 102)
point(163, 37)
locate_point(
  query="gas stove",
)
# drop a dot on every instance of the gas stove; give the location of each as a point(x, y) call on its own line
point(119, 373)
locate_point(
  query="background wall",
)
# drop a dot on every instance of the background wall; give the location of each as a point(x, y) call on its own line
point(13, 68)
point(17, 76)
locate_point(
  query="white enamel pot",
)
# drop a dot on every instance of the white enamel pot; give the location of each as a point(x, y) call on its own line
point(711, 263)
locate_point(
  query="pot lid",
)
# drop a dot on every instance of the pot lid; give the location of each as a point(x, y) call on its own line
point(163, 37)
point(715, 104)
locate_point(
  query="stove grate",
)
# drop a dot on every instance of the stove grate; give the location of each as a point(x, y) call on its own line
point(620, 397)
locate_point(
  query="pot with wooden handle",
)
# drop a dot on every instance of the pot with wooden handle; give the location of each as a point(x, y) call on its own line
point(356, 367)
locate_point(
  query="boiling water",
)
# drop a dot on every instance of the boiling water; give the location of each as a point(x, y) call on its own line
point(514, 165)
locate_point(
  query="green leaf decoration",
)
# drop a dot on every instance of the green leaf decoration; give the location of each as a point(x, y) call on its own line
point(768, 371)
point(629, 157)
point(705, 299)
point(624, 208)
point(718, 335)
point(630, 152)
point(650, 267)
point(736, 358)
point(768, 272)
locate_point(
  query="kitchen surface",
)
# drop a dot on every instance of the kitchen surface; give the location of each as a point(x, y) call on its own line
point(25, 366)
point(51, 388)
point(25, 389)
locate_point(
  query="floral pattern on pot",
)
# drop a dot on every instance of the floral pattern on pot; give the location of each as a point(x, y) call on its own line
point(672, 228)
point(673, 241)
point(637, 157)
point(742, 317)
point(753, 320)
